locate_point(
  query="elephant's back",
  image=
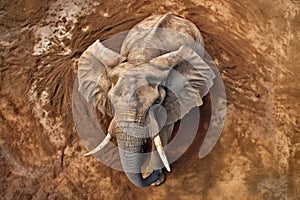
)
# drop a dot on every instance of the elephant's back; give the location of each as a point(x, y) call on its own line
point(171, 22)
point(158, 34)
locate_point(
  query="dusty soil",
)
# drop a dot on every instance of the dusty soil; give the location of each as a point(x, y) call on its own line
point(256, 47)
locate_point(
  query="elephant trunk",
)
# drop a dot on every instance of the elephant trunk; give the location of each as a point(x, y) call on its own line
point(131, 154)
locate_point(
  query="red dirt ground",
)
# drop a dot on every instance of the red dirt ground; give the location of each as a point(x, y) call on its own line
point(256, 47)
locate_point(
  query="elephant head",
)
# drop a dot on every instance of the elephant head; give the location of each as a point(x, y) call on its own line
point(144, 99)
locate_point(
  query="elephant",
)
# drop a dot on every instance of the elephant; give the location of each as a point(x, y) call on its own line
point(158, 76)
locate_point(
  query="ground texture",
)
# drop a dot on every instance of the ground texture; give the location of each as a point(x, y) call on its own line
point(256, 47)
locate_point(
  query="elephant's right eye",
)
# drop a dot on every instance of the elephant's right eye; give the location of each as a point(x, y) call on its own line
point(157, 101)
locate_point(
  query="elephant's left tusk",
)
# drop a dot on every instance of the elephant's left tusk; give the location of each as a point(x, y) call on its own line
point(161, 152)
point(101, 145)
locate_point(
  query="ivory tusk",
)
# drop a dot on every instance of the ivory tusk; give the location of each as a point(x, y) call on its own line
point(161, 152)
point(101, 145)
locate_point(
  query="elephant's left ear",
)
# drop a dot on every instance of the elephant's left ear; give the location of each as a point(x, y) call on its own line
point(92, 67)
point(188, 81)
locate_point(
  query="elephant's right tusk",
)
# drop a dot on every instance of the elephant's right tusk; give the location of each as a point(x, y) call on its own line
point(101, 145)
point(161, 152)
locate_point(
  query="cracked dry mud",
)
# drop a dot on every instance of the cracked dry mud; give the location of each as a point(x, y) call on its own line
point(256, 47)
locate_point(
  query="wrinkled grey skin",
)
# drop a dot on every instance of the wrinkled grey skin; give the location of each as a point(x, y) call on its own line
point(156, 79)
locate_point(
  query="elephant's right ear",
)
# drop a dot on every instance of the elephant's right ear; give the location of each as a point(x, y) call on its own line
point(189, 80)
point(92, 70)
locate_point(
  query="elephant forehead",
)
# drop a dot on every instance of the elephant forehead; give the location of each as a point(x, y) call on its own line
point(133, 79)
point(128, 85)
point(134, 91)
point(143, 74)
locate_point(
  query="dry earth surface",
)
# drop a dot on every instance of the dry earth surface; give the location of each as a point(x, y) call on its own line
point(255, 44)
